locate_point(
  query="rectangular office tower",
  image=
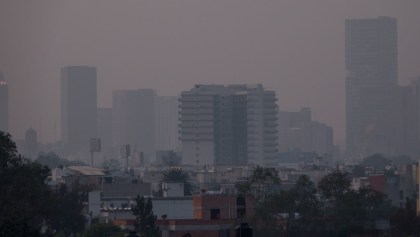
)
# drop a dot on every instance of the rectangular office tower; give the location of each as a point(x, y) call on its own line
point(78, 107)
point(371, 64)
point(133, 121)
point(4, 104)
point(228, 125)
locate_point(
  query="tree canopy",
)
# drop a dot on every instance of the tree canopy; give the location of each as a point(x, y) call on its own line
point(330, 209)
point(145, 219)
point(177, 175)
point(260, 183)
point(28, 207)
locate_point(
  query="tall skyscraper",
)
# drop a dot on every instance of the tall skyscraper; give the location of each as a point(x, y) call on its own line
point(371, 63)
point(78, 107)
point(4, 104)
point(228, 125)
point(167, 134)
point(133, 120)
point(104, 130)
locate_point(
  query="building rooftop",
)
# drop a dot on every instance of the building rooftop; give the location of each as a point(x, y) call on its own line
point(86, 170)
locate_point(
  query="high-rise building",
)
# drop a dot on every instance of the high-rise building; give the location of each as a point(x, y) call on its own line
point(31, 143)
point(297, 131)
point(167, 134)
point(78, 107)
point(4, 104)
point(406, 117)
point(133, 120)
point(104, 130)
point(371, 63)
point(228, 125)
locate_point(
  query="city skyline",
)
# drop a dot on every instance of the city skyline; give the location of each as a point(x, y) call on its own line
point(244, 49)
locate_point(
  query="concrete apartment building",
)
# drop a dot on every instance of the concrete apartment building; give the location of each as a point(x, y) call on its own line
point(4, 104)
point(228, 125)
point(78, 107)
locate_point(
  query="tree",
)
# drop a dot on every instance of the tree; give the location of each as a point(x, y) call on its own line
point(27, 204)
point(177, 175)
point(23, 189)
point(306, 203)
point(348, 211)
point(103, 230)
point(65, 210)
point(145, 219)
point(405, 219)
point(260, 183)
point(335, 185)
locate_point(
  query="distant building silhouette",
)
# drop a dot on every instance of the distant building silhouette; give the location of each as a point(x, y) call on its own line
point(166, 117)
point(371, 63)
point(78, 107)
point(104, 130)
point(133, 120)
point(407, 119)
point(31, 143)
point(233, 125)
point(4, 104)
point(298, 131)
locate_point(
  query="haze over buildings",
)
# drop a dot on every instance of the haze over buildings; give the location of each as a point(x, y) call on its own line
point(133, 120)
point(78, 107)
point(297, 131)
point(295, 47)
point(381, 116)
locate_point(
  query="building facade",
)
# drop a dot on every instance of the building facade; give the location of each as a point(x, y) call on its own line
point(167, 133)
point(372, 68)
point(297, 131)
point(228, 125)
point(78, 107)
point(133, 121)
point(4, 104)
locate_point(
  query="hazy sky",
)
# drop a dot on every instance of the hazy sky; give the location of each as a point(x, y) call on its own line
point(295, 47)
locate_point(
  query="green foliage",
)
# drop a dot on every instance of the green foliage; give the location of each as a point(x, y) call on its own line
point(335, 185)
point(177, 175)
point(347, 211)
point(103, 230)
point(65, 208)
point(339, 211)
point(145, 219)
point(405, 219)
point(260, 183)
point(27, 204)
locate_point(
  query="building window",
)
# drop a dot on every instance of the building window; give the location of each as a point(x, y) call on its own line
point(215, 214)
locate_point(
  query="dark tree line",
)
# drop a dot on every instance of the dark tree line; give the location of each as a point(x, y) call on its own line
point(28, 206)
point(331, 208)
